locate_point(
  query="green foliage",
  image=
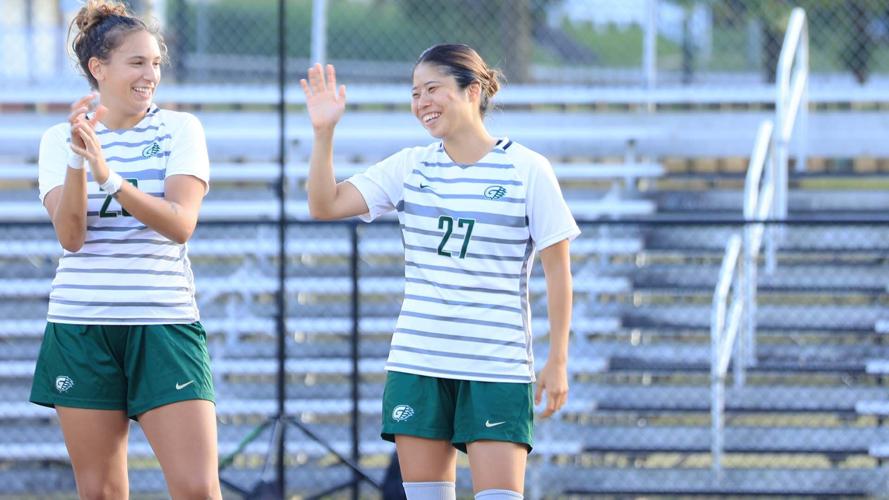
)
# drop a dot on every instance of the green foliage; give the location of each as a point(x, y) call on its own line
point(616, 47)
point(377, 30)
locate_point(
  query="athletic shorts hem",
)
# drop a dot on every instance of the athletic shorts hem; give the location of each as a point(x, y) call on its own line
point(157, 403)
point(438, 434)
point(85, 404)
point(516, 438)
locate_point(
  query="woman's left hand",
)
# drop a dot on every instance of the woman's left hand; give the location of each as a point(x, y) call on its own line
point(91, 150)
point(553, 380)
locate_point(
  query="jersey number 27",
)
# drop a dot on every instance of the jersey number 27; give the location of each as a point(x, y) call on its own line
point(446, 222)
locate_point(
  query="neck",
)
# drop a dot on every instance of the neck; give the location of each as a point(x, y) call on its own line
point(470, 144)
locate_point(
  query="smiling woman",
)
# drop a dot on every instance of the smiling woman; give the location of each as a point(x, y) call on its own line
point(473, 209)
point(123, 337)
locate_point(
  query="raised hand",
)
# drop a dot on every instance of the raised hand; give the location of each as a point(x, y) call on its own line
point(91, 150)
point(325, 103)
point(78, 114)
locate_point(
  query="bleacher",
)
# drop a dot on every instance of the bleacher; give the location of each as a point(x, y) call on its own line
point(809, 421)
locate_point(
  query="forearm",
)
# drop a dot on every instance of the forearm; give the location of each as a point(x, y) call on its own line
point(172, 220)
point(559, 299)
point(69, 215)
point(556, 262)
point(322, 188)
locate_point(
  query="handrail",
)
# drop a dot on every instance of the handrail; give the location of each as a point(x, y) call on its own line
point(791, 104)
point(765, 197)
point(758, 203)
point(761, 150)
point(724, 325)
point(738, 274)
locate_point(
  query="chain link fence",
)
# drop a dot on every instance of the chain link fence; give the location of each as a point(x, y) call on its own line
point(812, 409)
point(586, 42)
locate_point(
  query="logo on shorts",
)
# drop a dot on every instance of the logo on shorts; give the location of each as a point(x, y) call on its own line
point(402, 413)
point(495, 192)
point(151, 150)
point(490, 424)
point(179, 386)
point(64, 383)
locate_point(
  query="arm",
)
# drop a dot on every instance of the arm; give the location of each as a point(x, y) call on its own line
point(175, 216)
point(67, 204)
point(327, 198)
point(553, 377)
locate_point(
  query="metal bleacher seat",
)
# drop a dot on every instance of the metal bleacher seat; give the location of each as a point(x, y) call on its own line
point(739, 439)
point(690, 481)
point(749, 399)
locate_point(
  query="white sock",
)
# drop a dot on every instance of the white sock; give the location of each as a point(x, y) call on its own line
point(498, 495)
point(442, 490)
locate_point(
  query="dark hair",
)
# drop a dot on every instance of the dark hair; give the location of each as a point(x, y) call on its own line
point(466, 66)
point(101, 27)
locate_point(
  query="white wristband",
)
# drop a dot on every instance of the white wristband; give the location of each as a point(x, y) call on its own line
point(75, 161)
point(113, 183)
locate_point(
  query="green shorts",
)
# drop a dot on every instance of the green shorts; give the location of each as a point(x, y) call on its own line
point(460, 411)
point(134, 368)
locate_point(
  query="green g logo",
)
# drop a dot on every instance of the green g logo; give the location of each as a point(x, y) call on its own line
point(495, 192)
point(151, 150)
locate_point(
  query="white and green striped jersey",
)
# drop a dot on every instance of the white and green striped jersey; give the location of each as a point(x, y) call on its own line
point(126, 273)
point(470, 233)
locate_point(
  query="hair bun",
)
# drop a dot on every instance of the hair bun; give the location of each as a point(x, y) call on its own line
point(492, 82)
point(96, 11)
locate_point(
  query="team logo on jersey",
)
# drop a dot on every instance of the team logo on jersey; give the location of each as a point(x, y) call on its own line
point(402, 413)
point(151, 150)
point(495, 192)
point(64, 383)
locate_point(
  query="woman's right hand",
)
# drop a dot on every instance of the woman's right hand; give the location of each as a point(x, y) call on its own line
point(325, 103)
point(78, 113)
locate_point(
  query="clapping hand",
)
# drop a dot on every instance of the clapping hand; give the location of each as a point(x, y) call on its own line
point(84, 140)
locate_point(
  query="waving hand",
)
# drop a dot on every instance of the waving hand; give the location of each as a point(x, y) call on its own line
point(324, 101)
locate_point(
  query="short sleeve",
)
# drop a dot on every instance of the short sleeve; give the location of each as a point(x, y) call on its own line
point(549, 218)
point(188, 151)
point(52, 163)
point(382, 185)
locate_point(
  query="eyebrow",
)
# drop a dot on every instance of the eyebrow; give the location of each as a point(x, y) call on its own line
point(425, 84)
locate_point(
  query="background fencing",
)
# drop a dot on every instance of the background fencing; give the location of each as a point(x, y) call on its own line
point(628, 43)
point(659, 194)
point(639, 369)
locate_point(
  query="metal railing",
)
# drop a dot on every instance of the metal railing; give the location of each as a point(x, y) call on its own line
point(759, 195)
point(792, 84)
point(725, 321)
point(765, 197)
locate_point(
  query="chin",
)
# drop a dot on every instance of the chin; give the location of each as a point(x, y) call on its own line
point(140, 107)
point(437, 133)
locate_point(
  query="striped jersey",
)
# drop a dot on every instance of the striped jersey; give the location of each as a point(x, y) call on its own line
point(470, 233)
point(126, 273)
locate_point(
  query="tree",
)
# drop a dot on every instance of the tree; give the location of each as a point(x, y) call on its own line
point(846, 19)
point(503, 28)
